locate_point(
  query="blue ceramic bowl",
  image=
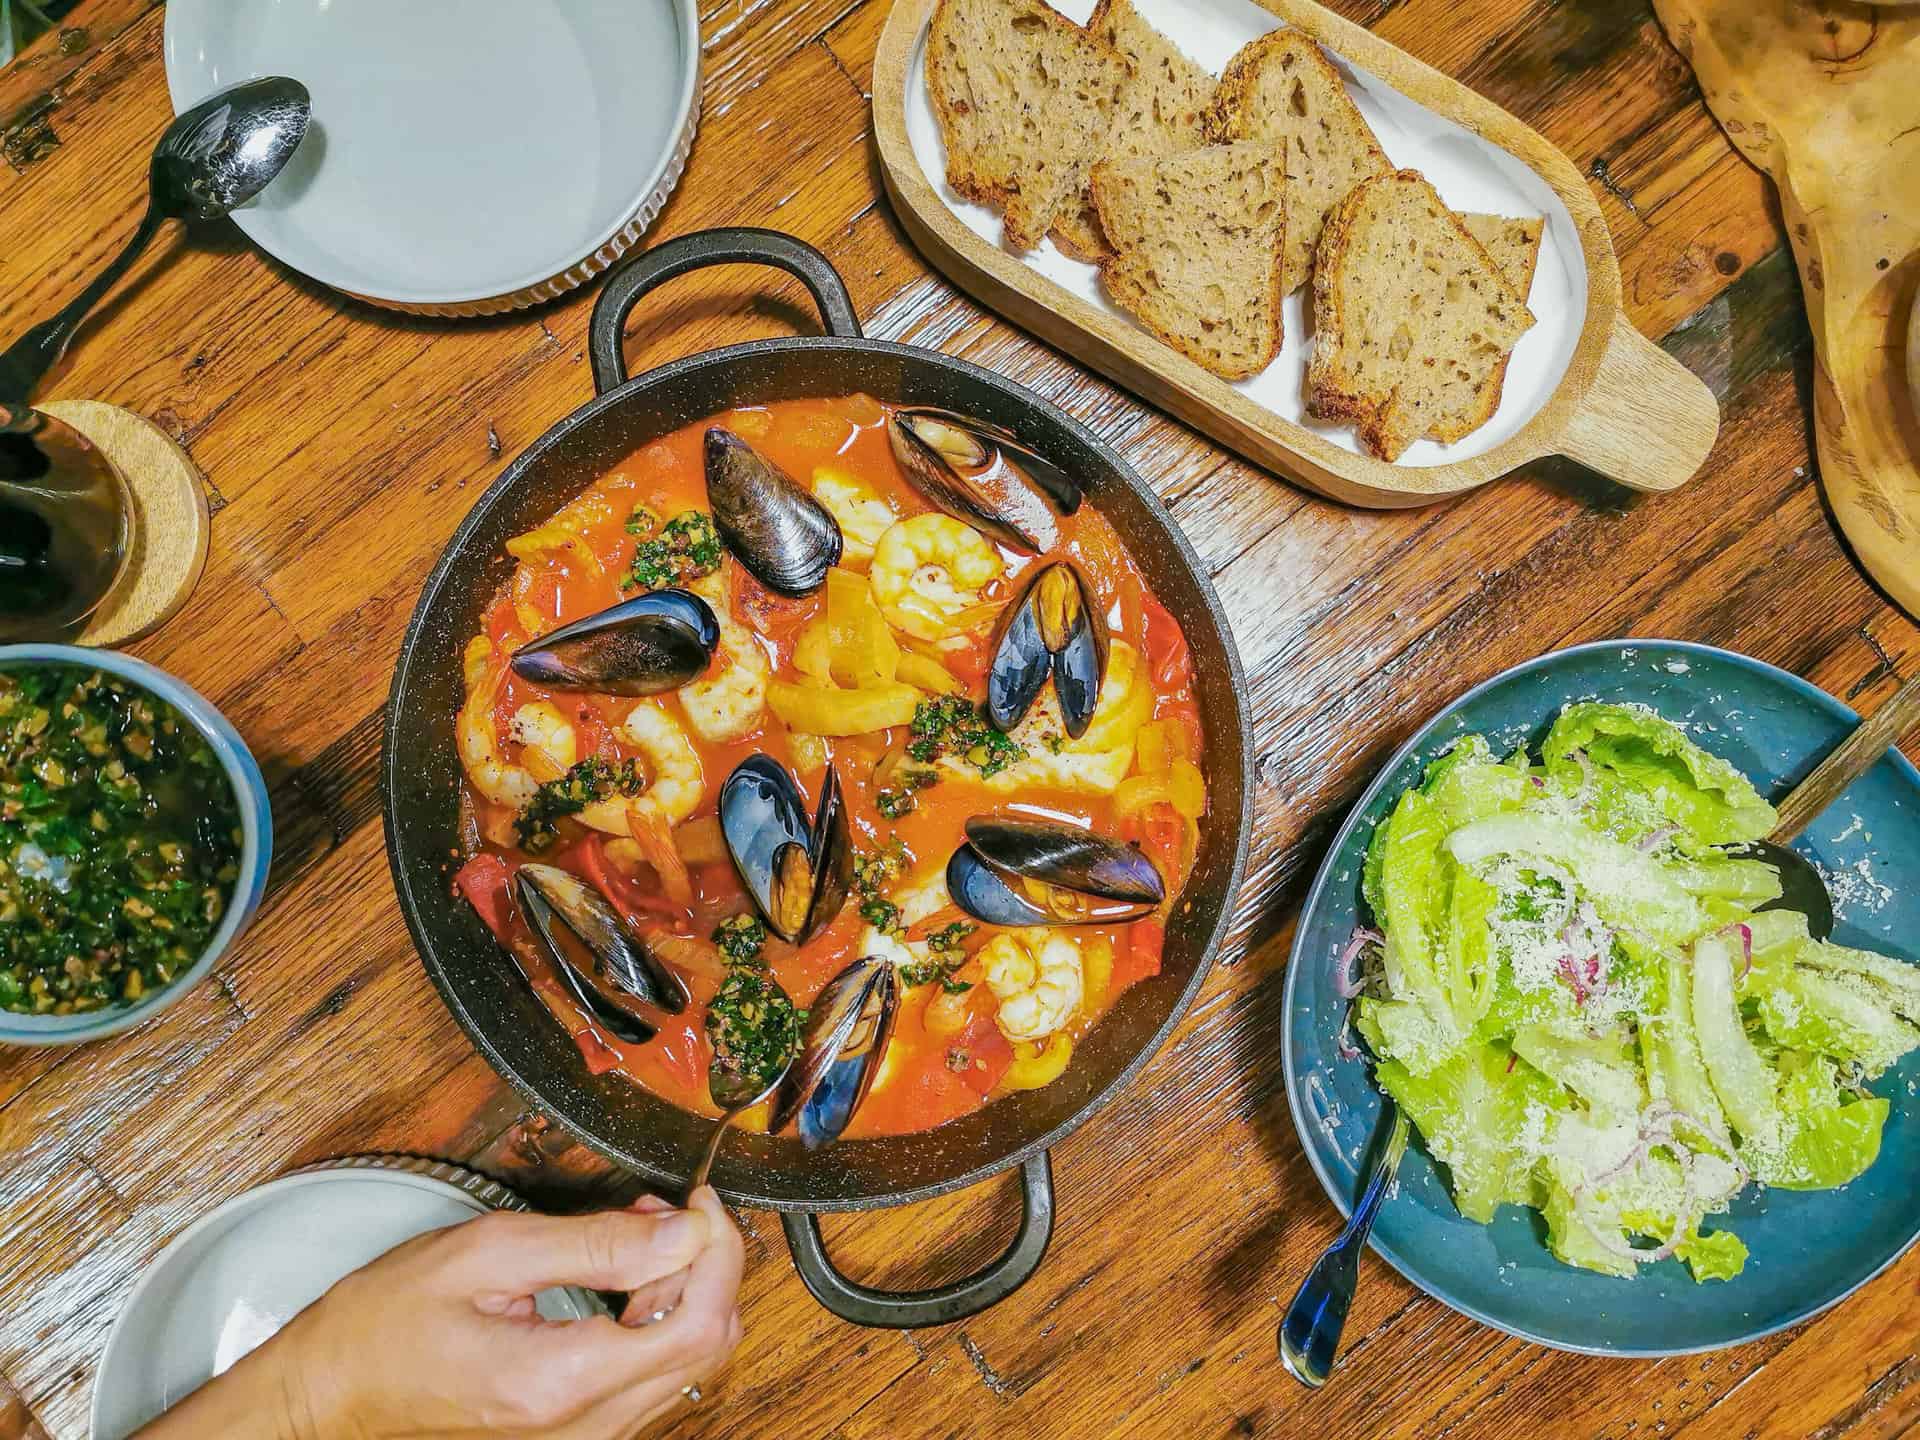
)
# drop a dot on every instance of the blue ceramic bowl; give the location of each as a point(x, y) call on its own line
point(257, 845)
point(1808, 1249)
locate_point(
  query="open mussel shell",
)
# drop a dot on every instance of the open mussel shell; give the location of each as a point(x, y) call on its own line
point(979, 473)
point(785, 537)
point(848, 1027)
point(622, 975)
point(1043, 872)
point(797, 872)
point(643, 646)
point(1051, 629)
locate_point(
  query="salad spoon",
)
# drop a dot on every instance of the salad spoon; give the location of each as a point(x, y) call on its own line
point(212, 158)
point(1310, 1332)
point(1802, 886)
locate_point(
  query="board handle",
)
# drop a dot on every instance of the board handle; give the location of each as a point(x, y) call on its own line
point(1646, 421)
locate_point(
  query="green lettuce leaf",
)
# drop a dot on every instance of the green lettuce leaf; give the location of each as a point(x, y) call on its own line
point(1626, 887)
point(1467, 784)
point(1410, 877)
point(1652, 760)
point(1741, 1079)
point(1829, 1139)
point(1600, 1069)
point(1483, 1117)
point(1839, 1015)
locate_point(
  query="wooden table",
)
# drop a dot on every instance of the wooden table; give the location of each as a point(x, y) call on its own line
point(344, 445)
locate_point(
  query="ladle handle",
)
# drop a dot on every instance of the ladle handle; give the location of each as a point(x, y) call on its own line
point(1851, 759)
point(909, 1309)
point(734, 245)
point(26, 362)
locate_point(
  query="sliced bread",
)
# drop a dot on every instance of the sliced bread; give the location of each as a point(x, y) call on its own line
point(1282, 88)
point(1198, 240)
point(1159, 113)
point(1025, 99)
point(1413, 321)
point(1513, 244)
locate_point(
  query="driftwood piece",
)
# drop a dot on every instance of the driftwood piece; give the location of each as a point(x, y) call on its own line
point(1825, 97)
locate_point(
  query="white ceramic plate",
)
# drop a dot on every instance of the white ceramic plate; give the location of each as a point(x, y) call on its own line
point(466, 156)
point(1471, 174)
point(228, 1282)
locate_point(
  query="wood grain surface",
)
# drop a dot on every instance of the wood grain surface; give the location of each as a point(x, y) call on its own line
point(342, 446)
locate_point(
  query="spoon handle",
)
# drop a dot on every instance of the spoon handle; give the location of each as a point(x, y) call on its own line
point(701, 1170)
point(1854, 756)
point(26, 362)
point(1310, 1332)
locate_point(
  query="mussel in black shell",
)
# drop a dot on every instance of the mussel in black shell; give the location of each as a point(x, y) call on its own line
point(644, 646)
point(785, 537)
point(797, 872)
point(622, 979)
point(978, 472)
point(1051, 629)
point(848, 1026)
point(1045, 872)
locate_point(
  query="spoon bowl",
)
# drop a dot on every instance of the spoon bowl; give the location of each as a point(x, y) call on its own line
point(220, 154)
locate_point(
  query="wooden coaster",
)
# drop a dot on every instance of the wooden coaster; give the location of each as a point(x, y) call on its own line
point(171, 523)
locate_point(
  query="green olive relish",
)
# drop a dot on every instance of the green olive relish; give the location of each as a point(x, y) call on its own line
point(119, 841)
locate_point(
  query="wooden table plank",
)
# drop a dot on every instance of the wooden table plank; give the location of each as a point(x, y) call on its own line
point(344, 445)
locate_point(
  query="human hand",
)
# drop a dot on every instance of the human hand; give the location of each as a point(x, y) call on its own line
point(439, 1337)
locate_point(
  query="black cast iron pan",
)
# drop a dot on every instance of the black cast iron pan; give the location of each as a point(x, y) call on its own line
point(421, 772)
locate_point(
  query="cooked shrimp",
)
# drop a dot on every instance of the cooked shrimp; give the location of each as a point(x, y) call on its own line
point(546, 740)
point(678, 781)
point(928, 572)
point(864, 517)
point(479, 744)
point(1036, 976)
point(730, 700)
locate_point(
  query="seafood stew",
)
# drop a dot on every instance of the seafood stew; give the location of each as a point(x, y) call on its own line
point(804, 684)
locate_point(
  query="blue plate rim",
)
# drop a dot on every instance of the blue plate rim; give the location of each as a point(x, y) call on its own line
point(1336, 1192)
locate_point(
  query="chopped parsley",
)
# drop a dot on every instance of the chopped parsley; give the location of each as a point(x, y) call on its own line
point(882, 914)
point(642, 522)
point(686, 548)
point(955, 725)
point(741, 939)
point(120, 841)
point(873, 871)
point(944, 959)
point(587, 783)
point(753, 1026)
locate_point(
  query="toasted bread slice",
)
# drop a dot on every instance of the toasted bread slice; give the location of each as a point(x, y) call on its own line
point(1025, 99)
point(1413, 321)
point(1198, 240)
point(1514, 246)
point(1282, 88)
point(1160, 112)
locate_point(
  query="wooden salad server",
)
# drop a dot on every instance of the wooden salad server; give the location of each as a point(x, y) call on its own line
point(1821, 95)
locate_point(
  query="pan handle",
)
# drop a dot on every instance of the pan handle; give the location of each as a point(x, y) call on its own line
point(908, 1309)
point(735, 245)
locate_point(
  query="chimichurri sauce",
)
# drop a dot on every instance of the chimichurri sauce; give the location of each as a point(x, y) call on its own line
point(119, 841)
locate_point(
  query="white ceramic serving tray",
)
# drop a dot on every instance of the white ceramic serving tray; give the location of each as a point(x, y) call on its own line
point(1477, 156)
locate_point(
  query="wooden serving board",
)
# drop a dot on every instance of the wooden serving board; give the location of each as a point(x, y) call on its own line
point(1586, 385)
point(1825, 97)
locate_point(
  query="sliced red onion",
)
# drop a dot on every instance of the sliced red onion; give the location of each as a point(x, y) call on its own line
point(1746, 947)
point(1343, 1041)
point(1655, 839)
point(1346, 983)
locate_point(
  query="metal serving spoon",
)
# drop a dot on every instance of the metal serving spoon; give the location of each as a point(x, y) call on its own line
point(736, 1091)
point(1802, 887)
point(217, 155)
point(1310, 1332)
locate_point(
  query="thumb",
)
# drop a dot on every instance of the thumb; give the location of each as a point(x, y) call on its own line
point(505, 1255)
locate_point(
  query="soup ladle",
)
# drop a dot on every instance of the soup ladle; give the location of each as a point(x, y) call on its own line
point(212, 158)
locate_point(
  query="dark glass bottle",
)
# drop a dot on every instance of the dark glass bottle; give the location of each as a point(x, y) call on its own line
point(64, 531)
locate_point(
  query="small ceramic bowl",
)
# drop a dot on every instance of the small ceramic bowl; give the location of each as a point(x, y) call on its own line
point(466, 156)
point(256, 848)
